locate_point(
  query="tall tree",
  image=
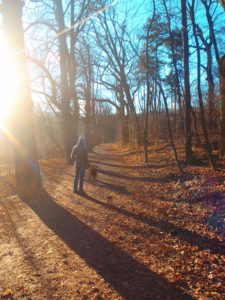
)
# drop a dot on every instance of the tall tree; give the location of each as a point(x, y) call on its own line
point(187, 93)
point(147, 72)
point(222, 99)
point(67, 117)
point(200, 98)
point(174, 40)
point(208, 4)
point(28, 179)
point(59, 52)
point(110, 34)
point(210, 80)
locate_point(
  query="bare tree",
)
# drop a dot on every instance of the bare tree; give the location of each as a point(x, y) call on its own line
point(172, 43)
point(28, 179)
point(64, 27)
point(211, 86)
point(222, 99)
point(187, 94)
point(203, 121)
point(148, 70)
point(110, 38)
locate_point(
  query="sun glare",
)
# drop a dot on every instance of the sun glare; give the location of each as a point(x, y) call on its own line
point(7, 83)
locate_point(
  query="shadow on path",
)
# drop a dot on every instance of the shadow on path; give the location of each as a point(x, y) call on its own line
point(193, 238)
point(122, 166)
point(131, 279)
point(165, 179)
point(115, 188)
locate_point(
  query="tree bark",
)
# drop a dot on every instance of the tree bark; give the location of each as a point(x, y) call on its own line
point(211, 28)
point(174, 60)
point(72, 74)
point(170, 130)
point(88, 75)
point(133, 112)
point(187, 94)
point(124, 125)
point(203, 121)
point(68, 125)
point(21, 134)
point(222, 101)
point(145, 135)
point(196, 135)
point(211, 87)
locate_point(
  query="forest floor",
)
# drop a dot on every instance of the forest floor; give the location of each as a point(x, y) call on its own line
point(140, 232)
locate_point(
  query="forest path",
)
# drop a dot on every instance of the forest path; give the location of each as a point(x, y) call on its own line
point(131, 236)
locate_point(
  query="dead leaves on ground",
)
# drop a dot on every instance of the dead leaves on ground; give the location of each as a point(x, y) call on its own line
point(171, 224)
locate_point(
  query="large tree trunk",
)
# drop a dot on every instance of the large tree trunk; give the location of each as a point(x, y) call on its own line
point(22, 135)
point(174, 60)
point(68, 124)
point(187, 94)
point(203, 121)
point(133, 113)
point(145, 135)
point(124, 125)
point(196, 134)
point(88, 76)
point(222, 99)
point(72, 74)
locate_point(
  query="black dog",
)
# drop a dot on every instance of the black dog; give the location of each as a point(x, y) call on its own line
point(93, 173)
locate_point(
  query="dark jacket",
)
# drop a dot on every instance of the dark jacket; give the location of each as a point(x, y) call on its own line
point(80, 155)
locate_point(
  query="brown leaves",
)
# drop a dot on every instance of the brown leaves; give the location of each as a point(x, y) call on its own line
point(161, 221)
point(7, 295)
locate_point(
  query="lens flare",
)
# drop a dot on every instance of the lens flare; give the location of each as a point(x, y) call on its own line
point(8, 79)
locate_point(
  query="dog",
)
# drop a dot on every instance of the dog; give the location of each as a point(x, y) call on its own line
point(93, 173)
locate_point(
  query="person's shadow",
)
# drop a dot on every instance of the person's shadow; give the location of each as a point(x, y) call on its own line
point(130, 278)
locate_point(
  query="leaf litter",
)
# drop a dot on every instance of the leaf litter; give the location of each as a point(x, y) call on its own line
point(168, 224)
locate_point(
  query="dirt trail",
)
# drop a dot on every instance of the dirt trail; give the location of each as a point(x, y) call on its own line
point(133, 235)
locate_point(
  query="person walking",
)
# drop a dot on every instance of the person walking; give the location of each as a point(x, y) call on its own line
point(80, 154)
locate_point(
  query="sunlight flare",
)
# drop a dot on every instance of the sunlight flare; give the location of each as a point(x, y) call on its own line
point(8, 81)
point(21, 149)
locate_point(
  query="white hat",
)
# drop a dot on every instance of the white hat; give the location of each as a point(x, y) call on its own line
point(81, 138)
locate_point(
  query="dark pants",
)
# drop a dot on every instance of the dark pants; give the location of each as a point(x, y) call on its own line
point(79, 177)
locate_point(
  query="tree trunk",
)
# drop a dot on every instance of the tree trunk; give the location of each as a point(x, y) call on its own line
point(88, 76)
point(22, 135)
point(197, 137)
point(170, 131)
point(68, 124)
point(211, 86)
point(222, 101)
point(174, 60)
point(187, 94)
point(133, 113)
point(145, 134)
point(211, 29)
point(124, 129)
point(203, 121)
point(72, 75)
